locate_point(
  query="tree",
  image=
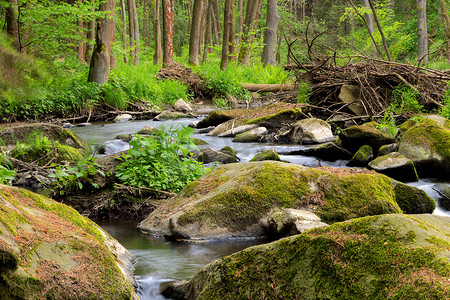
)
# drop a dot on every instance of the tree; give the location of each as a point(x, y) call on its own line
point(101, 57)
point(386, 48)
point(134, 31)
point(12, 23)
point(194, 39)
point(168, 13)
point(124, 30)
point(446, 18)
point(251, 20)
point(90, 36)
point(422, 31)
point(270, 34)
point(226, 34)
point(157, 58)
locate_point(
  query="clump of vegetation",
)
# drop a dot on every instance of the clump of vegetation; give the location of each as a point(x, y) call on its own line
point(7, 173)
point(161, 161)
point(304, 89)
point(405, 100)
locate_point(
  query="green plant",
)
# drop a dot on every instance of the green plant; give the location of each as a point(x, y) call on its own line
point(405, 100)
point(7, 174)
point(304, 90)
point(387, 124)
point(446, 109)
point(76, 177)
point(161, 161)
point(220, 102)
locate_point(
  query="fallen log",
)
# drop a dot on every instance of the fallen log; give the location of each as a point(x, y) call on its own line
point(269, 87)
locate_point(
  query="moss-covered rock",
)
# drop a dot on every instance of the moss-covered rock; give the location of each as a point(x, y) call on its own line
point(268, 154)
point(251, 136)
point(412, 200)
point(329, 151)
point(146, 130)
point(231, 200)
point(427, 144)
point(209, 155)
point(362, 157)
point(26, 133)
point(444, 195)
point(396, 166)
point(309, 131)
point(355, 137)
point(52, 252)
point(170, 115)
point(386, 149)
point(380, 257)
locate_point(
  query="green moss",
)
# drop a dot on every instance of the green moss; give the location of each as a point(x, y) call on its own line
point(289, 114)
point(268, 154)
point(412, 200)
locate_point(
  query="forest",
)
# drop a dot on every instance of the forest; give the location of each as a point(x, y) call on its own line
point(63, 59)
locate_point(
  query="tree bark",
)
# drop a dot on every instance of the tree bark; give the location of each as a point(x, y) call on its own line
point(80, 44)
point(422, 31)
point(240, 22)
point(134, 31)
point(208, 33)
point(157, 58)
point(370, 24)
point(446, 18)
point(251, 20)
point(101, 57)
point(232, 35)
point(12, 23)
point(226, 34)
point(168, 13)
point(383, 38)
point(270, 34)
point(194, 39)
point(124, 31)
point(90, 36)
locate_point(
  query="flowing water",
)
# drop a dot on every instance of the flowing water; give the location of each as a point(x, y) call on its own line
point(161, 262)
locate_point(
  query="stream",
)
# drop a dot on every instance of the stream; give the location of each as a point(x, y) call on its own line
point(160, 262)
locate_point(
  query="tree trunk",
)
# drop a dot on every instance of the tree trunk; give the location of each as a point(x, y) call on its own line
point(124, 31)
point(217, 13)
point(168, 13)
point(422, 31)
point(385, 45)
point(101, 57)
point(270, 34)
point(446, 18)
point(232, 35)
point(208, 33)
point(134, 31)
point(80, 43)
point(240, 23)
point(226, 34)
point(194, 39)
point(370, 23)
point(157, 58)
point(251, 20)
point(90, 36)
point(12, 23)
point(215, 29)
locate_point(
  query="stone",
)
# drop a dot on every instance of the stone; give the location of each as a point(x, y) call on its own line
point(310, 131)
point(50, 251)
point(328, 151)
point(268, 154)
point(67, 125)
point(230, 201)
point(148, 130)
point(377, 257)
point(285, 222)
point(427, 144)
point(386, 149)
point(395, 166)
point(209, 155)
point(214, 118)
point(362, 157)
point(352, 94)
point(123, 118)
point(444, 193)
point(355, 137)
point(183, 106)
point(168, 115)
point(86, 124)
point(251, 136)
point(235, 131)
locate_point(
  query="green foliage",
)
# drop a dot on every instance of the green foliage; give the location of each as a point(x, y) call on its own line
point(161, 161)
point(7, 174)
point(304, 90)
point(387, 124)
point(405, 100)
point(76, 177)
point(446, 109)
point(220, 102)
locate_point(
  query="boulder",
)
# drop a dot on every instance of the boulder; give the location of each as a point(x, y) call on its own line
point(444, 195)
point(355, 137)
point(86, 124)
point(392, 256)
point(427, 144)
point(50, 251)
point(362, 157)
point(352, 94)
point(329, 151)
point(386, 149)
point(214, 118)
point(209, 155)
point(413, 200)
point(123, 118)
point(251, 136)
point(310, 131)
point(395, 166)
point(148, 130)
point(268, 154)
point(231, 200)
point(27, 133)
point(168, 115)
point(235, 131)
point(285, 222)
point(183, 106)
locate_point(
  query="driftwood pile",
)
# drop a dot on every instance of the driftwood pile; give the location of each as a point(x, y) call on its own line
point(376, 80)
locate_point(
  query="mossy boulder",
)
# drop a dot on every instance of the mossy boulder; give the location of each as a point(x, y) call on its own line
point(209, 155)
point(52, 252)
point(355, 137)
point(362, 157)
point(268, 154)
point(386, 149)
point(251, 136)
point(233, 200)
point(444, 195)
point(396, 166)
point(379, 257)
point(25, 133)
point(310, 131)
point(170, 115)
point(146, 130)
point(331, 151)
point(427, 144)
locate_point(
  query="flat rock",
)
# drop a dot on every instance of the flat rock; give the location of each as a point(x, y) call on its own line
point(396, 166)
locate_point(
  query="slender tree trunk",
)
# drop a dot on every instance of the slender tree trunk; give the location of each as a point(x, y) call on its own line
point(208, 33)
point(226, 34)
point(446, 18)
point(240, 22)
point(383, 38)
point(232, 35)
point(124, 31)
point(80, 43)
point(101, 57)
point(12, 23)
point(168, 13)
point(194, 39)
point(90, 36)
point(217, 13)
point(215, 29)
point(251, 20)
point(134, 31)
point(270, 34)
point(157, 58)
point(370, 22)
point(422, 31)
